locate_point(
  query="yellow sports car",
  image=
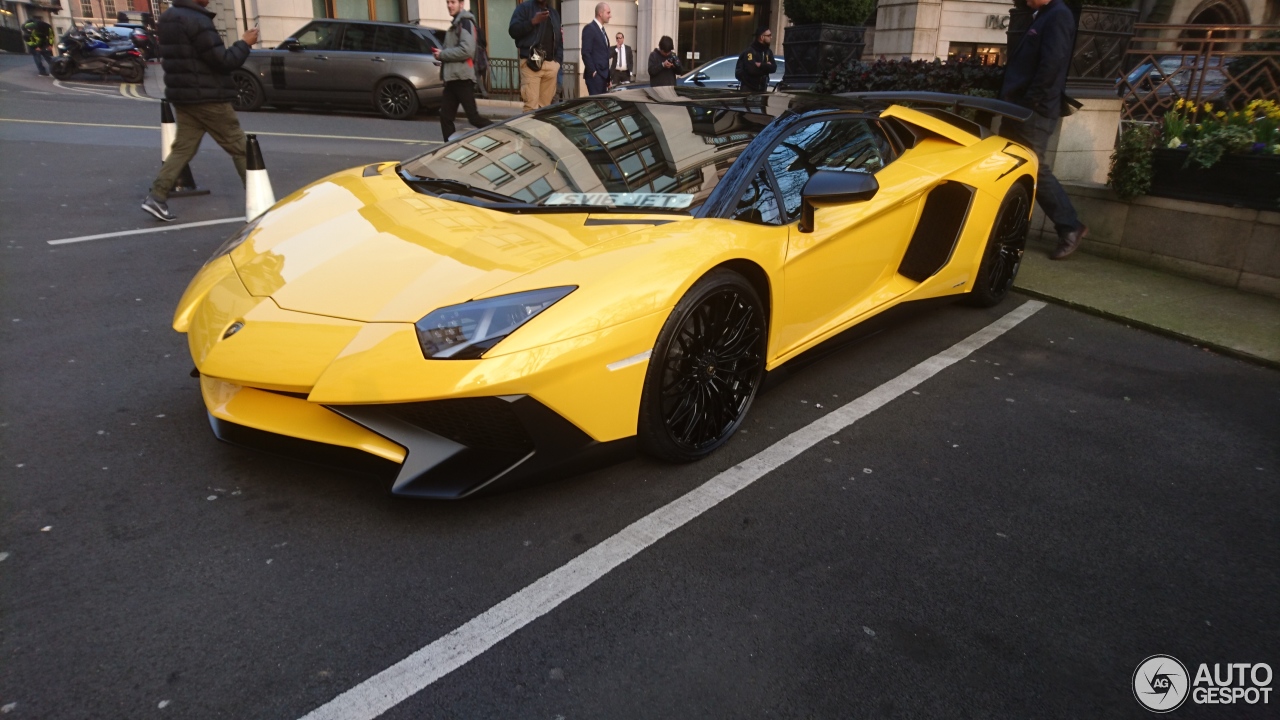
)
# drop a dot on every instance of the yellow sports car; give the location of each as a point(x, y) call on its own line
point(609, 271)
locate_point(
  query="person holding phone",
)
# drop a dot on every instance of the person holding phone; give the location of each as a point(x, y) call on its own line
point(457, 69)
point(197, 81)
point(535, 26)
point(664, 65)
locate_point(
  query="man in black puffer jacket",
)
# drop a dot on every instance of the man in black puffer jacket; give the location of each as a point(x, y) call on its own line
point(197, 80)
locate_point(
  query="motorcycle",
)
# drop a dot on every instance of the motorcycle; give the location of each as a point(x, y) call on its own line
point(85, 51)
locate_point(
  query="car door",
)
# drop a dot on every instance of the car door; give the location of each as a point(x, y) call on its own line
point(715, 74)
point(412, 60)
point(848, 264)
point(356, 67)
point(307, 65)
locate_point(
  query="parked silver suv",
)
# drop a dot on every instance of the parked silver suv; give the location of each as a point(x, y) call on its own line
point(351, 63)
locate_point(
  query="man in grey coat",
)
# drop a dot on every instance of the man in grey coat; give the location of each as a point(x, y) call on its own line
point(457, 69)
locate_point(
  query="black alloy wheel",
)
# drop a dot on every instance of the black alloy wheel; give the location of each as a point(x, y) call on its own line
point(1003, 256)
point(396, 99)
point(249, 94)
point(705, 369)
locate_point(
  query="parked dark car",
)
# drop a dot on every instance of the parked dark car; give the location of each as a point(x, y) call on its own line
point(383, 66)
point(1175, 74)
point(717, 75)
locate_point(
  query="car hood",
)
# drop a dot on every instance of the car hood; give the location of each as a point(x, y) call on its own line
point(373, 250)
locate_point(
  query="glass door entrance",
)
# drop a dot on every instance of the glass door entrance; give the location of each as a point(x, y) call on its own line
point(709, 30)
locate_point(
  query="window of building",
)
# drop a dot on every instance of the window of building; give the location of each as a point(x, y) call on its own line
point(86, 9)
point(989, 54)
point(109, 7)
point(385, 10)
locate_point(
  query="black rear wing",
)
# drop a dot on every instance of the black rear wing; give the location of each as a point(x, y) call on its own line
point(945, 100)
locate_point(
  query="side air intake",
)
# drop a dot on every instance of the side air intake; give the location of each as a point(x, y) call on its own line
point(938, 231)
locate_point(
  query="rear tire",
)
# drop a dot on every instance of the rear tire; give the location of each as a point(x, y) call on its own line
point(1003, 256)
point(133, 72)
point(396, 99)
point(705, 369)
point(249, 92)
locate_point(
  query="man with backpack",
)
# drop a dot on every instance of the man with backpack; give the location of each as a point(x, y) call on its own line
point(38, 35)
point(756, 63)
point(457, 69)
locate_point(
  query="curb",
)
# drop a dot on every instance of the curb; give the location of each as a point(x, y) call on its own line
point(1156, 329)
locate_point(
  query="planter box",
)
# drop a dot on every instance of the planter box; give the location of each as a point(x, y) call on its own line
point(812, 51)
point(1247, 181)
point(1102, 37)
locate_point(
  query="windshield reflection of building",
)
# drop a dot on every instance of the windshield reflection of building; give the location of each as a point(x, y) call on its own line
point(605, 145)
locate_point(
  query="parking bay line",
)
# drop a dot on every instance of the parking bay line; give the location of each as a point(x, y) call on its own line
point(253, 132)
point(415, 673)
point(145, 231)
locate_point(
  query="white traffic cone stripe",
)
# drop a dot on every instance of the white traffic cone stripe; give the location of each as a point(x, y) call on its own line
point(258, 194)
point(168, 133)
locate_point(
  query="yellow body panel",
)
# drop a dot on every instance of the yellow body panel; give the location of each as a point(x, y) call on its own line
point(329, 283)
point(282, 414)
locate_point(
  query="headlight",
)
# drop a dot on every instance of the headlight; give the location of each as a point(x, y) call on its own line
point(234, 241)
point(466, 331)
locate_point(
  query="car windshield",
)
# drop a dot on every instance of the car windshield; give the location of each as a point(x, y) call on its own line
point(602, 152)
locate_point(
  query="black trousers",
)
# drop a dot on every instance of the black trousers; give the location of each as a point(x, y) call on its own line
point(459, 92)
point(1050, 196)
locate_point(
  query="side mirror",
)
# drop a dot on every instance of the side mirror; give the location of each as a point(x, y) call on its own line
point(292, 45)
point(834, 186)
point(700, 77)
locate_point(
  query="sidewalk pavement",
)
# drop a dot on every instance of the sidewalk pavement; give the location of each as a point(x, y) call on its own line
point(1223, 319)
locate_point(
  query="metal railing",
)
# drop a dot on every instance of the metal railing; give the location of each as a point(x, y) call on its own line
point(1228, 65)
point(503, 80)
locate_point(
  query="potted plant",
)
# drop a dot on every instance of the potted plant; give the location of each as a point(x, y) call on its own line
point(825, 35)
point(1103, 31)
point(1226, 157)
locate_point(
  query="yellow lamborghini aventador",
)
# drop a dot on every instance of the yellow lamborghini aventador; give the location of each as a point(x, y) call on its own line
point(609, 271)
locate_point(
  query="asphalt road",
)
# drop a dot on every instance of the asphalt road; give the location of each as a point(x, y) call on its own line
point(1009, 539)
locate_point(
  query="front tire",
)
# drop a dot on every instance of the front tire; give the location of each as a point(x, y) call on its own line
point(705, 369)
point(249, 92)
point(1003, 256)
point(396, 99)
point(62, 70)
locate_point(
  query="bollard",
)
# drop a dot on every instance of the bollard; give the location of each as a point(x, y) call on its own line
point(186, 185)
point(258, 195)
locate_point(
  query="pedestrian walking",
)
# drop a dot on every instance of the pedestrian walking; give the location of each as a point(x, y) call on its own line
point(595, 51)
point(664, 66)
point(535, 26)
point(756, 63)
point(1036, 78)
point(40, 40)
point(197, 81)
point(622, 61)
point(457, 69)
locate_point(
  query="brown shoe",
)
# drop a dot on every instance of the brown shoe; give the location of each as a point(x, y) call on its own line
point(1068, 243)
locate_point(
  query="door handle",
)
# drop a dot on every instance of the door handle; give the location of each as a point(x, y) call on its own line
point(322, 57)
point(378, 59)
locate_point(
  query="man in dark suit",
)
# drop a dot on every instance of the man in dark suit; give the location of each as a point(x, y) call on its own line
point(1036, 78)
point(595, 51)
point(622, 63)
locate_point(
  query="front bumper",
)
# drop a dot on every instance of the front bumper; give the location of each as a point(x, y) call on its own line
point(441, 449)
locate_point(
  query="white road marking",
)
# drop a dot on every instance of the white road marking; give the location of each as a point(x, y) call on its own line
point(401, 681)
point(145, 231)
point(403, 141)
point(87, 90)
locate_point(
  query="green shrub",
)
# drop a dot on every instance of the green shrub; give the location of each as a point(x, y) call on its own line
point(1209, 148)
point(962, 77)
point(835, 12)
point(1130, 174)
